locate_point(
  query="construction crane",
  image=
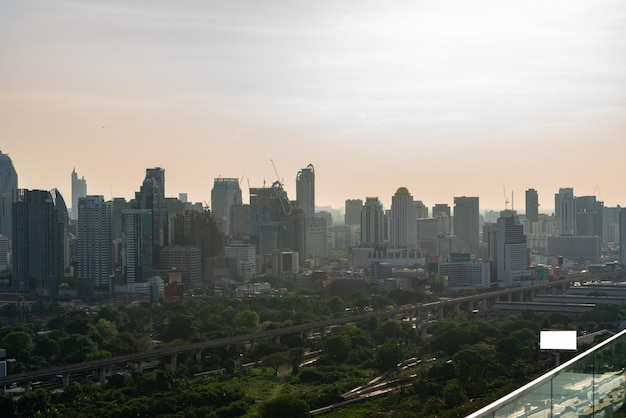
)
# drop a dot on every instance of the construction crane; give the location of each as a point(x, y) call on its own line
point(506, 199)
point(281, 181)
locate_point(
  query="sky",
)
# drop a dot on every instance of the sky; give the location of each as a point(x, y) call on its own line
point(483, 98)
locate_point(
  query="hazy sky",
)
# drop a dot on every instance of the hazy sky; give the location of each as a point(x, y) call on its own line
point(446, 98)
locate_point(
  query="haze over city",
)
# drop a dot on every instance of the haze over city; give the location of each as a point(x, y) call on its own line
point(444, 98)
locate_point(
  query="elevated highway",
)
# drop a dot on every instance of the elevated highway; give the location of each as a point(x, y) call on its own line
point(420, 311)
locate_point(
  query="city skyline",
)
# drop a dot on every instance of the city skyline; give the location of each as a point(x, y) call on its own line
point(446, 100)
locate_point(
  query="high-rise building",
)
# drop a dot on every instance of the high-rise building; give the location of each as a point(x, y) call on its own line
point(421, 210)
point(271, 205)
point(226, 193)
point(353, 212)
point(305, 191)
point(40, 223)
point(467, 222)
point(441, 212)
point(532, 205)
point(512, 254)
point(372, 222)
point(565, 211)
point(151, 197)
point(8, 186)
point(4, 253)
point(589, 216)
point(79, 189)
point(137, 248)
point(95, 245)
point(403, 222)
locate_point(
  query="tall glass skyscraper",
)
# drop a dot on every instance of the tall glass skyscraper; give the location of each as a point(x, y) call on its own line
point(95, 244)
point(8, 186)
point(225, 194)
point(39, 240)
point(403, 231)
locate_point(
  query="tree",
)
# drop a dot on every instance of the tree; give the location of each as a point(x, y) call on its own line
point(284, 406)
point(297, 355)
point(246, 320)
point(275, 360)
point(389, 354)
point(18, 344)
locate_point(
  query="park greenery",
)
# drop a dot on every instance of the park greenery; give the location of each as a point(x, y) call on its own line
point(462, 362)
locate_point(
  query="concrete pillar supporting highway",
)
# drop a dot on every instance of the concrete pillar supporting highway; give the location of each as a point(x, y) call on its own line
point(174, 361)
point(470, 306)
point(508, 297)
point(441, 311)
point(139, 366)
point(102, 375)
point(484, 306)
point(457, 307)
point(66, 380)
point(252, 345)
point(277, 339)
point(198, 356)
point(28, 386)
point(322, 332)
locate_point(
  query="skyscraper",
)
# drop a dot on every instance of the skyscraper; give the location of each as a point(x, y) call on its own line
point(565, 211)
point(372, 222)
point(512, 254)
point(8, 186)
point(532, 205)
point(151, 196)
point(441, 212)
point(79, 189)
point(137, 248)
point(467, 222)
point(305, 191)
point(225, 194)
point(40, 223)
point(95, 244)
point(589, 216)
point(403, 232)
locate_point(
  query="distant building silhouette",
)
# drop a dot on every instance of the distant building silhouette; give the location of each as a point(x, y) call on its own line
point(8, 186)
point(151, 197)
point(622, 235)
point(403, 231)
point(372, 222)
point(589, 216)
point(532, 206)
point(353, 212)
point(79, 189)
point(467, 222)
point(95, 245)
point(512, 254)
point(40, 222)
point(305, 191)
point(226, 194)
point(565, 211)
point(441, 212)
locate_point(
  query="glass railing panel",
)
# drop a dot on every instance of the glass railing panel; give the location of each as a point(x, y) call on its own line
point(534, 404)
point(608, 383)
point(572, 390)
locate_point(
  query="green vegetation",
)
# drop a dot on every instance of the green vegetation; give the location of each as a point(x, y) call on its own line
point(457, 365)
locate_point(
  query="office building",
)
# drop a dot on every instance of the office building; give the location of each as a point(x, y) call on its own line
point(305, 191)
point(4, 253)
point(151, 197)
point(589, 216)
point(465, 275)
point(137, 248)
point(225, 195)
point(512, 254)
point(421, 210)
point(441, 212)
point(403, 221)
point(244, 256)
point(565, 211)
point(40, 222)
point(372, 222)
point(579, 248)
point(95, 245)
point(317, 237)
point(8, 186)
point(353, 212)
point(187, 260)
point(467, 222)
point(532, 206)
point(79, 190)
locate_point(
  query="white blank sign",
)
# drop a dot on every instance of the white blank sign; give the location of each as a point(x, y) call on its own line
point(557, 340)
